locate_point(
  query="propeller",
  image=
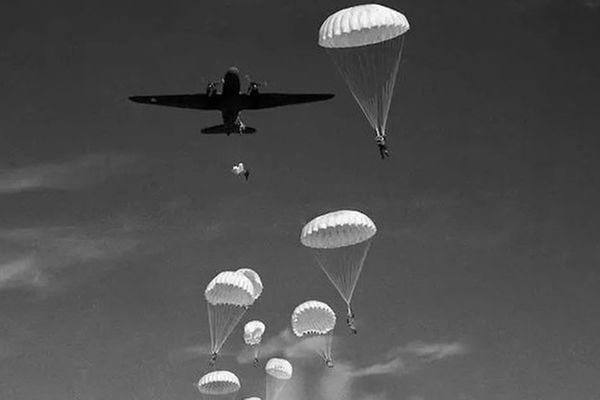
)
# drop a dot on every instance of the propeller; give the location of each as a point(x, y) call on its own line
point(211, 87)
point(254, 84)
point(214, 84)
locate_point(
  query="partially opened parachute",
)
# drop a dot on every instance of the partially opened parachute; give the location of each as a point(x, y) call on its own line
point(253, 332)
point(228, 296)
point(315, 320)
point(219, 385)
point(278, 373)
point(340, 241)
point(365, 42)
point(254, 278)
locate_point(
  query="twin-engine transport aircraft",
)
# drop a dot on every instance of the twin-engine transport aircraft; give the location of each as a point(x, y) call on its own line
point(230, 102)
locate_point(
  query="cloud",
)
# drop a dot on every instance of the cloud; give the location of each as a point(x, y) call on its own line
point(402, 360)
point(37, 255)
point(195, 352)
point(21, 272)
point(431, 351)
point(79, 172)
point(285, 344)
point(336, 383)
point(393, 366)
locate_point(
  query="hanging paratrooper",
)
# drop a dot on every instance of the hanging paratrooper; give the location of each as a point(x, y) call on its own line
point(340, 241)
point(228, 296)
point(314, 322)
point(365, 42)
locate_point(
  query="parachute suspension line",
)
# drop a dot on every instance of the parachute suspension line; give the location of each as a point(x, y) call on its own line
point(343, 266)
point(370, 72)
point(327, 340)
point(222, 319)
point(397, 46)
point(274, 387)
point(321, 344)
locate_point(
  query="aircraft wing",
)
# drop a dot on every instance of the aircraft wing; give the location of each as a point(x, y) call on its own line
point(268, 100)
point(198, 101)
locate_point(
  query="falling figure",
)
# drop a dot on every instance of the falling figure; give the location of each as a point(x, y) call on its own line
point(240, 169)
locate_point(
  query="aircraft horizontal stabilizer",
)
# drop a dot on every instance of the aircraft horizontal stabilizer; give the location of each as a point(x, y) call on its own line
point(222, 129)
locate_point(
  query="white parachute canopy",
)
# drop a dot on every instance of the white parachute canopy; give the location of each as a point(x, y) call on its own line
point(279, 372)
point(365, 43)
point(340, 241)
point(253, 332)
point(228, 296)
point(315, 320)
point(219, 385)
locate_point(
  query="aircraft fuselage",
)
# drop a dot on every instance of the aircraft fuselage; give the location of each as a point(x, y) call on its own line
point(230, 100)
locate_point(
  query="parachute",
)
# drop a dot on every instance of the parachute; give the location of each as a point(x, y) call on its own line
point(315, 320)
point(340, 241)
point(279, 371)
point(253, 332)
point(365, 43)
point(228, 296)
point(219, 385)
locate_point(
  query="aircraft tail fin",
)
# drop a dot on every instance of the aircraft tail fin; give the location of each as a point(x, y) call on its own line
point(222, 129)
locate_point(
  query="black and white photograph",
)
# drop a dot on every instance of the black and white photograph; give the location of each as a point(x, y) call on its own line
point(300, 200)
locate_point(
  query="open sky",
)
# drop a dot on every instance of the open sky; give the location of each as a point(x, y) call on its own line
point(482, 283)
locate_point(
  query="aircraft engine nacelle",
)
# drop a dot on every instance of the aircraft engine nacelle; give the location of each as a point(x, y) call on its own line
point(253, 88)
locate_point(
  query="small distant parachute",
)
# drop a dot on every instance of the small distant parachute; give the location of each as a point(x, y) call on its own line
point(279, 372)
point(315, 320)
point(365, 43)
point(253, 332)
point(219, 385)
point(240, 169)
point(228, 296)
point(340, 241)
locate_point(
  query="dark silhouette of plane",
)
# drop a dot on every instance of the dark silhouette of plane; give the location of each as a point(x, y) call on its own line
point(231, 101)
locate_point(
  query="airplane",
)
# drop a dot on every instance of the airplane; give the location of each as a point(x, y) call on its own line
point(231, 101)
